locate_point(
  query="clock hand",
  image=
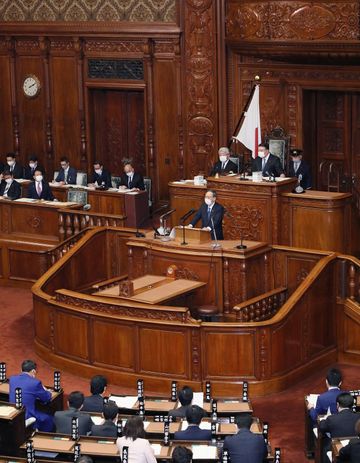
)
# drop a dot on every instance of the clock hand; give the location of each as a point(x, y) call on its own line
point(32, 85)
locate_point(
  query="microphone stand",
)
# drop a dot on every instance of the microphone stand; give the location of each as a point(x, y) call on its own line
point(216, 245)
point(241, 245)
point(183, 243)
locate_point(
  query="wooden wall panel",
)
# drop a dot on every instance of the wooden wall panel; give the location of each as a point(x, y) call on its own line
point(71, 334)
point(31, 111)
point(42, 317)
point(6, 126)
point(122, 339)
point(65, 110)
point(230, 355)
point(154, 354)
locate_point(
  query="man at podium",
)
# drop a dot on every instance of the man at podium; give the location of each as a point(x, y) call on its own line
point(211, 214)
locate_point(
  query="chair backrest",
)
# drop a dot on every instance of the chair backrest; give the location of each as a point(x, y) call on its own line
point(81, 178)
point(115, 182)
point(235, 161)
point(77, 196)
point(148, 188)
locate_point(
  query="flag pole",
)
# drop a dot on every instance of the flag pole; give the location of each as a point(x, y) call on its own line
point(257, 82)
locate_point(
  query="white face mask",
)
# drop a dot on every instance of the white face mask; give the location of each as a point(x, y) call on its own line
point(261, 154)
point(98, 171)
point(8, 180)
point(11, 163)
point(129, 174)
point(223, 158)
point(208, 201)
point(38, 178)
point(32, 165)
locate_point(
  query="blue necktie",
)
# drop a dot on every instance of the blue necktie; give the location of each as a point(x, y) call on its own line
point(209, 213)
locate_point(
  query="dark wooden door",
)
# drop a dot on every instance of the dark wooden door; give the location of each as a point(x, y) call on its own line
point(117, 120)
point(332, 137)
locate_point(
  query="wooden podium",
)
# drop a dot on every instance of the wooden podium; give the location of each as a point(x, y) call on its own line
point(192, 235)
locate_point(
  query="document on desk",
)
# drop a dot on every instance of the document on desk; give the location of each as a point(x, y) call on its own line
point(206, 425)
point(97, 419)
point(156, 448)
point(6, 411)
point(204, 452)
point(124, 401)
point(26, 200)
point(198, 399)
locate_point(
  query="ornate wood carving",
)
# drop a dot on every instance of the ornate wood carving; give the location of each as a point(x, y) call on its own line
point(195, 354)
point(114, 46)
point(200, 83)
point(247, 222)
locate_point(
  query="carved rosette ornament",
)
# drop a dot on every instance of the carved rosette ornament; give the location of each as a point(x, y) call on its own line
point(200, 78)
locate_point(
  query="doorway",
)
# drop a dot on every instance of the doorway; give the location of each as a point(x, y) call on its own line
point(117, 128)
point(332, 138)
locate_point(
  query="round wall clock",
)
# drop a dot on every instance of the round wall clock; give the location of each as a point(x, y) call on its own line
point(31, 86)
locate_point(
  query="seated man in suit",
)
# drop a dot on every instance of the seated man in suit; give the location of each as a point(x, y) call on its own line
point(194, 415)
point(351, 452)
point(327, 400)
point(245, 446)
point(224, 165)
point(100, 177)
point(14, 167)
point(300, 169)
point(342, 424)
point(67, 175)
point(63, 419)
point(181, 455)
point(32, 390)
point(29, 170)
point(211, 214)
point(9, 188)
point(266, 162)
point(95, 402)
point(108, 428)
point(185, 396)
point(131, 179)
point(39, 188)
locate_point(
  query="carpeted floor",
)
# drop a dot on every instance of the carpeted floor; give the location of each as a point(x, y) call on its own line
point(284, 412)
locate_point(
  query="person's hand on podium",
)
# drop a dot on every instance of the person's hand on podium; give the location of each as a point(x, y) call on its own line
point(189, 226)
point(122, 187)
point(206, 228)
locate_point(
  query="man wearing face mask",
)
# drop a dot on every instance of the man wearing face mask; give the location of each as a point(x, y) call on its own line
point(9, 188)
point(266, 162)
point(39, 189)
point(211, 214)
point(224, 165)
point(67, 175)
point(130, 179)
point(299, 168)
point(14, 167)
point(29, 170)
point(100, 177)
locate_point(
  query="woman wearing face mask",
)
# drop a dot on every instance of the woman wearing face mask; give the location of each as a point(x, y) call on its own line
point(9, 188)
point(39, 188)
point(130, 179)
point(224, 165)
point(211, 214)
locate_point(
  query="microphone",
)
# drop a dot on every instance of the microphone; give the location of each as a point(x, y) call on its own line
point(271, 176)
point(187, 215)
point(164, 216)
point(86, 207)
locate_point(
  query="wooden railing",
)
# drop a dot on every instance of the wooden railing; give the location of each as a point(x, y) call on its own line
point(356, 195)
point(352, 280)
point(61, 249)
point(73, 221)
point(262, 307)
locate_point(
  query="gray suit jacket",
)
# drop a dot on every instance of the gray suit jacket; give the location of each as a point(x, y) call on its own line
point(63, 421)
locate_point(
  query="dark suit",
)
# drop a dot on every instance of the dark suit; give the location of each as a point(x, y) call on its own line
point(2, 167)
point(103, 179)
point(246, 447)
point(29, 172)
point(16, 170)
point(93, 403)
point(32, 390)
point(325, 401)
point(14, 192)
point(136, 182)
point(193, 432)
point(304, 171)
point(71, 178)
point(229, 167)
point(272, 166)
point(46, 192)
point(179, 412)
point(350, 452)
point(107, 429)
point(63, 421)
point(216, 217)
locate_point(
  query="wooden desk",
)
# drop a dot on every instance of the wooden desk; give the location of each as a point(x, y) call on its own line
point(254, 207)
point(154, 289)
point(12, 427)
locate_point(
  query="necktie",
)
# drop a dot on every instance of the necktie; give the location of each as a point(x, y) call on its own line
point(263, 163)
point(222, 165)
point(65, 176)
point(296, 166)
point(7, 189)
point(209, 213)
point(129, 182)
point(38, 188)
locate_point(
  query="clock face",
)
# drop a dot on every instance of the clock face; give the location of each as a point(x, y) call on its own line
point(31, 86)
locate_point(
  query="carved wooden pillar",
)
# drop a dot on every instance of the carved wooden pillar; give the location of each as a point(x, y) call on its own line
point(78, 47)
point(45, 48)
point(226, 286)
point(200, 84)
point(14, 108)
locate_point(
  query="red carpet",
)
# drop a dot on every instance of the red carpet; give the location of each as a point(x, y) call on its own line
point(284, 412)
